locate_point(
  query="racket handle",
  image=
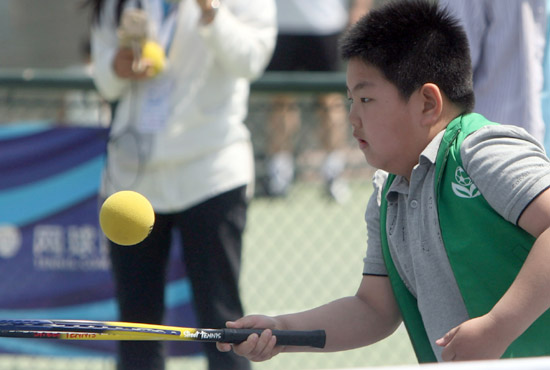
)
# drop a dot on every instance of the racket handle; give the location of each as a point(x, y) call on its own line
point(312, 338)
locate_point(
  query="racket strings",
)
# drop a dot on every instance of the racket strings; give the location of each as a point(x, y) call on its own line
point(133, 149)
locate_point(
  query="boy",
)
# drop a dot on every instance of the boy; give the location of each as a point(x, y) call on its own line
point(458, 225)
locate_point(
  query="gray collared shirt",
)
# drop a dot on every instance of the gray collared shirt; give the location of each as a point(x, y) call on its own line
point(509, 168)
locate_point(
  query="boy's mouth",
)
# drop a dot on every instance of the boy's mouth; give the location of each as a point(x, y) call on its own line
point(362, 143)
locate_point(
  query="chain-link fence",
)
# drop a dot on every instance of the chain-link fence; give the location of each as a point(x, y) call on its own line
point(301, 250)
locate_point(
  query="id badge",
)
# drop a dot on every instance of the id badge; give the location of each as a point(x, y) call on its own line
point(156, 105)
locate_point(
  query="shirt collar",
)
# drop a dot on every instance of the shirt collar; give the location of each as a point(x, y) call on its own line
point(430, 152)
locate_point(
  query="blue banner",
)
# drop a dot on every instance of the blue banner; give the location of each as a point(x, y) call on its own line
point(53, 256)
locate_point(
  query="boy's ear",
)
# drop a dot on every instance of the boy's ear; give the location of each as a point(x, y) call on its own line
point(432, 104)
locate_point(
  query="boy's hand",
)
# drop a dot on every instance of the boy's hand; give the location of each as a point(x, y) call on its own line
point(255, 348)
point(480, 338)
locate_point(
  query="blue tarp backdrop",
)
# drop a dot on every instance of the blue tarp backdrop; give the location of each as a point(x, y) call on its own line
point(54, 262)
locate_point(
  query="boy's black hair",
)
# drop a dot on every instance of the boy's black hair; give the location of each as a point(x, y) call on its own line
point(414, 42)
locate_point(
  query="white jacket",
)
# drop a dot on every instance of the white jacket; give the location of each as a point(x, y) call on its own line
point(200, 146)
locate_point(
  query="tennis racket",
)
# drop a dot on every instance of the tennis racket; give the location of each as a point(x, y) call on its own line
point(114, 330)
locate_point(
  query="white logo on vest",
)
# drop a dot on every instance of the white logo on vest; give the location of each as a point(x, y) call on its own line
point(464, 188)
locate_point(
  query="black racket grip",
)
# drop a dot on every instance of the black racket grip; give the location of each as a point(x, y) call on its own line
point(311, 338)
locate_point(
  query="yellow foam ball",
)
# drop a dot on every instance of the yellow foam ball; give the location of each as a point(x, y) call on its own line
point(126, 217)
point(154, 54)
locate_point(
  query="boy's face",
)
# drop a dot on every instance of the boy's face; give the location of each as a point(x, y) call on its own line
point(383, 122)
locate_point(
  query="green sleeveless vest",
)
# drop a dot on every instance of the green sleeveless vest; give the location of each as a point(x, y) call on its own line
point(484, 263)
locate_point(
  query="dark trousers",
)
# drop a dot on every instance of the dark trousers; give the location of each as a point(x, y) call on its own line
point(211, 235)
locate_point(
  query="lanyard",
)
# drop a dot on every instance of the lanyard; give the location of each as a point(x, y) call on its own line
point(163, 16)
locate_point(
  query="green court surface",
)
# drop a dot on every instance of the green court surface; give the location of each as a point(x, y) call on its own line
point(303, 251)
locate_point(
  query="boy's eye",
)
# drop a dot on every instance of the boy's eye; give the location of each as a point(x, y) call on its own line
point(362, 100)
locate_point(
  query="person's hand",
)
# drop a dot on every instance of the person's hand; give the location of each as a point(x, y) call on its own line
point(207, 5)
point(124, 62)
point(208, 9)
point(476, 339)
point(255, 348)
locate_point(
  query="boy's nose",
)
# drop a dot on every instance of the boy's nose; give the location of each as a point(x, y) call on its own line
point(354, 120)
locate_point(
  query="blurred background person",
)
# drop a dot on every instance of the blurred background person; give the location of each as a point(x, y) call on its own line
point(546, 86)
point(307, 40)
point(507, 41)
point(179, 139)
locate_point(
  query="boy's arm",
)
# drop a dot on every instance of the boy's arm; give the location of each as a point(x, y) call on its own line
point(367, 317)
point(527, 298)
